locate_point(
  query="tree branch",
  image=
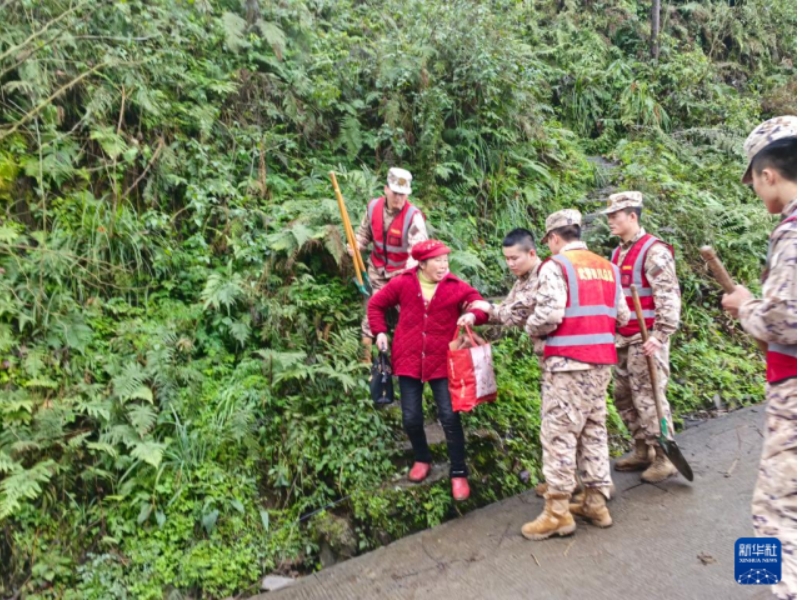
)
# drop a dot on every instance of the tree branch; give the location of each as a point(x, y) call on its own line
point(30, 115)
point(42, 31)
point(146, 169)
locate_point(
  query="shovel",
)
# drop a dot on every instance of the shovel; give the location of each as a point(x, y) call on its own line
point(669, 446)
point(723, 278)
point(358, 261)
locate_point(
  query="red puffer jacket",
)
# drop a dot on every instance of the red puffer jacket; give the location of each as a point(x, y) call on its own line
point(419, 347)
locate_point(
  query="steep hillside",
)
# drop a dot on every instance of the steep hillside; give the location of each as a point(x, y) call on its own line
point(180, 390)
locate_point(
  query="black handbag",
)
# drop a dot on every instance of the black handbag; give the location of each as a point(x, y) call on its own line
point(380, 385)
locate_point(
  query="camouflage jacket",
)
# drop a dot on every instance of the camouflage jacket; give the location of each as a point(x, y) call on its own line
point(518, 305)
point(773, 317)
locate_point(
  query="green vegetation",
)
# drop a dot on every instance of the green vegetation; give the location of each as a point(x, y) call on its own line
point(179, 376)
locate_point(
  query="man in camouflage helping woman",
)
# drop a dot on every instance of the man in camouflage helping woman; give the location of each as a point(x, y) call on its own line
point(577, 308)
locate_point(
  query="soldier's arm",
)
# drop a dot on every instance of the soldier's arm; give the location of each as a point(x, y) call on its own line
point(417, 232)
point(660, 269)
point(364, 232)
point(550, 302)
point(499, 313)
point(773, 318)
point(515, 309)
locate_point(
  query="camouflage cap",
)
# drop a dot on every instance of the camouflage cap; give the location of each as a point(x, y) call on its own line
point(623, 200)
point(562, 218)
point(399, 181)
point(762, 136)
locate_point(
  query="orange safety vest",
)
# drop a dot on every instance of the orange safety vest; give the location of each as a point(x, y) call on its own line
point(632, 271)
point(590, 318)
point(390, 252)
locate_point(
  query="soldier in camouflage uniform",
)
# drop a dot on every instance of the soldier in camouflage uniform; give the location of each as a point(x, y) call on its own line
point(578, 306)
point(649, 263)
point(772, 171)
point(392, 225)
point(519, 249)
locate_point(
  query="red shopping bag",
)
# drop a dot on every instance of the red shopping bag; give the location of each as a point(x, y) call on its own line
point(470, 374)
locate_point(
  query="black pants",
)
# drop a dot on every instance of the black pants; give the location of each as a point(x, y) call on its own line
point(414, 422)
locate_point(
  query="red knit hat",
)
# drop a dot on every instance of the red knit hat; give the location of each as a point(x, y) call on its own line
point(428, 249)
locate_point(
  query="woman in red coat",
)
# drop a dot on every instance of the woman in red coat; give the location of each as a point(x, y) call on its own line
point(432, 303)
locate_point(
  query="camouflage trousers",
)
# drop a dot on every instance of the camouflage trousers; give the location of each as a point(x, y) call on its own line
point(775, 497)
point(633, 392)
point(573, 434)
point(376, 282)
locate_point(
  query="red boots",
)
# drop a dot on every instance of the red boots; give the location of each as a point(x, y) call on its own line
point(460, 488)
point(419, 472)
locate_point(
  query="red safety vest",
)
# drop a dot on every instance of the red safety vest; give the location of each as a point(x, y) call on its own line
point(587, 331)
point(781, 358)
point(632, 270)
point(391, 252)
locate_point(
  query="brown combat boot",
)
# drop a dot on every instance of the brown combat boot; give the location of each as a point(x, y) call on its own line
point(593, 508)
point(661, 468)
point(641, 458)
point(541, 489)
point(367, 343)
point(555, 519)
point(580, 496)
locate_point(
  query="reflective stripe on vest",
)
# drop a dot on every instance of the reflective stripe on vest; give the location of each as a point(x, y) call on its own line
point(639, 279)
point(594, 339)
point(781, 358)
point(635, 260)
point(392, 257)
point(587, 331)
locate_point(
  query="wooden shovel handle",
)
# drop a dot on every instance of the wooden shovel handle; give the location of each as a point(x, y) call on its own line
point(348, 229)
point(718, 270)
point(723, 278)
point(651, 363)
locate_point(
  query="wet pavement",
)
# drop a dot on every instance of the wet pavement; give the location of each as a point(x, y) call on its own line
point(671, 540)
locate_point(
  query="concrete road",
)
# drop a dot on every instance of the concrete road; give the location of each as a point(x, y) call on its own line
point(672, 540)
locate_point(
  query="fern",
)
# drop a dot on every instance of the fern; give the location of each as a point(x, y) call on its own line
point(223, 290)
point(234, 28)
point(149, 452)
point(130, 383)
point(7, 465)
point(22, 484)
point(462, 263)
point(274, 36)
point(142, 418)
point(110, 141)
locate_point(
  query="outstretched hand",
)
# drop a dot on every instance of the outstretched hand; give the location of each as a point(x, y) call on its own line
point(467, 319)
point(482, 305)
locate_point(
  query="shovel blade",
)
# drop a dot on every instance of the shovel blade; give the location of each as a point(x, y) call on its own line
point(676, 458)
point(362, 288)
point(367, 286)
